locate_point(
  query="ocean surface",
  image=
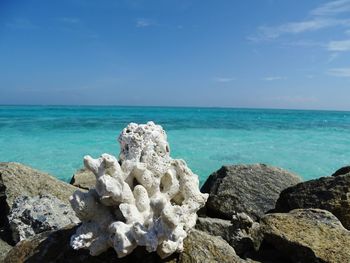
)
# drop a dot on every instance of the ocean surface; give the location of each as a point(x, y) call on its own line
point(55, 138)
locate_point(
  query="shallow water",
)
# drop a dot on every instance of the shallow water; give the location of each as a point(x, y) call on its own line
point(55, 139)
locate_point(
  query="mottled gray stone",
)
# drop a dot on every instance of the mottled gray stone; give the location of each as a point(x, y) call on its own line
point(238, 232)
point(4, 248)
point(307, 236)
point(33, 215)
point(83, 179)
point(252, 189)
point(329, 193)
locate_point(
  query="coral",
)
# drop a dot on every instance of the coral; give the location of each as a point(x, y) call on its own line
point(145, 198)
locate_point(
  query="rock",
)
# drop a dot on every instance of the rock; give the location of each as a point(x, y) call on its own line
point(239, 232)
point(198, 247)
point(33, 215)
point(4, 248)
point(17, 179)
point(341, 171)
point(83, 179)
point(252, 189)
point(307, 235)
point(328, 193)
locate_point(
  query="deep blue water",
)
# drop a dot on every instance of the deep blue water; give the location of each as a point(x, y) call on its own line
point(55, 138)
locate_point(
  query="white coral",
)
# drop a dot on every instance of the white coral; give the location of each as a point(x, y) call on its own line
point(144, 199)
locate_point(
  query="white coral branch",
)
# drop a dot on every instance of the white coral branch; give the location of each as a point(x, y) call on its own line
point(144, 199)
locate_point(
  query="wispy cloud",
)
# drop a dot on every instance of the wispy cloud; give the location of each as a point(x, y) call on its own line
point(341, 45)
point(322, 17)
point(273, 78)
point(274, 32)
point(142, 22)
point(332, 8)
point(21, 23)
point(70, 20)
point(224, 80)
point(339, 72)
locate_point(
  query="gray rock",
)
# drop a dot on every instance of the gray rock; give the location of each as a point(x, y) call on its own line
point(239, 232)
point(328, 193)
point(83, 179)
point(199, 247)
point(341, 171)
point(4, 249)
point(54, 247)
point(307, 236)
point(252, 189)
point(33, 215)
point(17, 179)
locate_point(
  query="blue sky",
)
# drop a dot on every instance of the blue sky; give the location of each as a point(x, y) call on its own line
point(242, 53)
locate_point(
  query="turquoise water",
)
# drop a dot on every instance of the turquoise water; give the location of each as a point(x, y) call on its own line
point(55, 139)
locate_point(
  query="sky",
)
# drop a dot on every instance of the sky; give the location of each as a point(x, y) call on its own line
point(222, 53)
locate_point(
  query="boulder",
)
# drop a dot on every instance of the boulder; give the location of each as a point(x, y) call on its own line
point(307, 236)
point(252, 189)
point(198, 247)
point(341, 171)
point(84, 179)
point(4, 248)
point(328, 193)
point(17, 179)
point(238, 232)
point(33, 215)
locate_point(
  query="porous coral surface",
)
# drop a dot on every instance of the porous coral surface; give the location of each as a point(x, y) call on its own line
point(145, 198)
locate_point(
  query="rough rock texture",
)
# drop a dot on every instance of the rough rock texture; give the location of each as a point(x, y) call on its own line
point(145, 198)
point(84, 179)
point(239, 232)
point(341, 171)
point(252, 189)
point(328, 193)
point(4, 248)
point(199, 247)
point(17, 179)
point(43, 248)
point(307, 235)
point(33, 215)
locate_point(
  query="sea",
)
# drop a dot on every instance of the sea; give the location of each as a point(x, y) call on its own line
point(54, 139)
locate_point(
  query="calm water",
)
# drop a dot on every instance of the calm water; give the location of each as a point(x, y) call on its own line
point(55, 139)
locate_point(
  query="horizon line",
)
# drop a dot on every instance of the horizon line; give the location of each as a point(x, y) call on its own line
point(159, 106)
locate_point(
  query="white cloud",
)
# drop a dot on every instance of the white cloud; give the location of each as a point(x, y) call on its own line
point(332, 57)
point(21, 23)
point(274, 32)
point(339, 72)
point(341, 45)
point(273, 78)
point(332, 8)
point(224, 80)
point(142, 22)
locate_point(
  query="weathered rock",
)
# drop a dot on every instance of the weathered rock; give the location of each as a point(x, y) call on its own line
point(198, 247)
point(341, 171)
point(307, 235)
point(17, 179)
point(252, 189)
point(328, 193)
point(4, 248)
point(33, 215)
point(84, 179)
point(239, 232)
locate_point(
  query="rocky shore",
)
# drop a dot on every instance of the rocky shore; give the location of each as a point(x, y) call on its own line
point(255, 213)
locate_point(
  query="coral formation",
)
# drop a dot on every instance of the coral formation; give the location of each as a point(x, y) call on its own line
point(145, 198)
